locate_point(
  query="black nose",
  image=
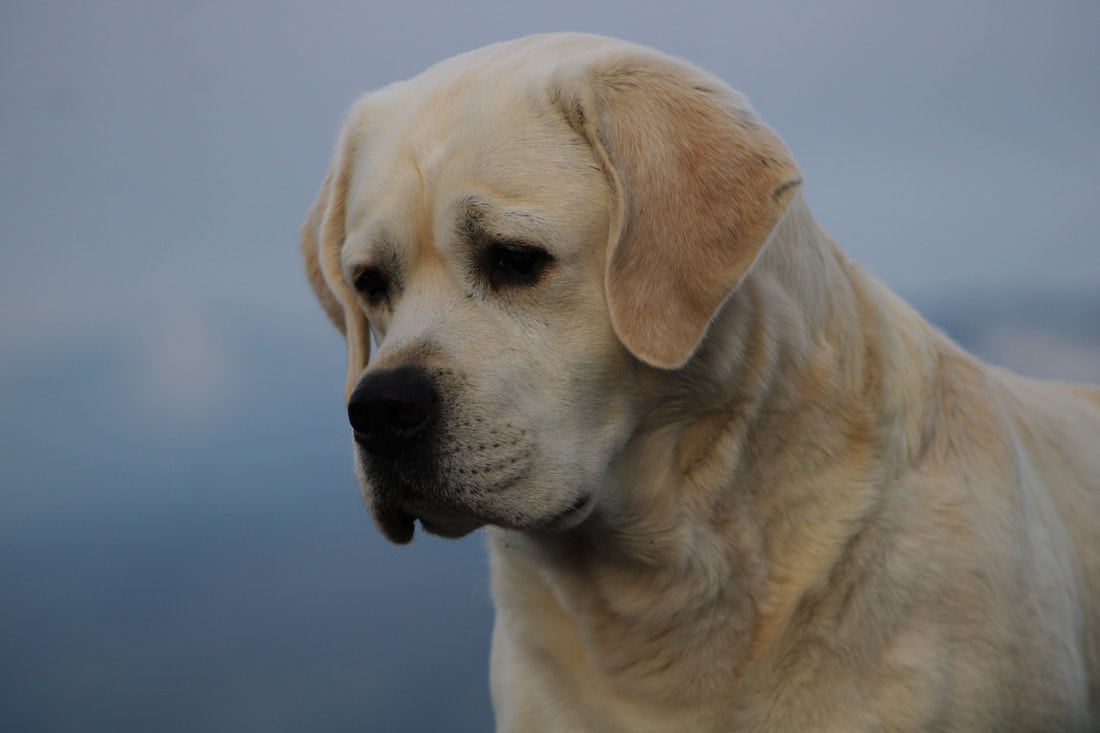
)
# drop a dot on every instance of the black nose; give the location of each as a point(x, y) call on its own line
point(389, 411)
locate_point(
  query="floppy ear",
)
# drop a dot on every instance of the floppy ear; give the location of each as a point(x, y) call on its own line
point(310, 235)
point(697, 185)
point(322, 238)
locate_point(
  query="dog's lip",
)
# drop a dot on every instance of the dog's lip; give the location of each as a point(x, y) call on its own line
point(572, 516)
point(396, 524)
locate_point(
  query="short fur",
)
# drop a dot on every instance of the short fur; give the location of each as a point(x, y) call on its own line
point(732, 482)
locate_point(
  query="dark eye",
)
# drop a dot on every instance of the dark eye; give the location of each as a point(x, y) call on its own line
point(371, 284)
point(514, 264)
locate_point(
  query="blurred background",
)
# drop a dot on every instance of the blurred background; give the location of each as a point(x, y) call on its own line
point(182, 546)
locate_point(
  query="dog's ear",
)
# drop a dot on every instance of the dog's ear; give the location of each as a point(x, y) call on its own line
point(697, 185)
point(310, 236)
point(322, 238)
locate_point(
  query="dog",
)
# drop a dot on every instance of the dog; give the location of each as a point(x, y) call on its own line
point(730, 481)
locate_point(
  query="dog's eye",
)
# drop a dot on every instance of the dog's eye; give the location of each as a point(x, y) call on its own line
point(371, 284)
point(514, 264)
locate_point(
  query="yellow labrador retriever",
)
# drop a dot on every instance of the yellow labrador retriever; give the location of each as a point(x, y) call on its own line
point(732, 482)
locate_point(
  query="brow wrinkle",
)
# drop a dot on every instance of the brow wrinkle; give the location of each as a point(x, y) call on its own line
point(479, 220)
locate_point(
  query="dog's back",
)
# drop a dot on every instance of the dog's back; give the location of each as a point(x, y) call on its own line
point(1057, 429)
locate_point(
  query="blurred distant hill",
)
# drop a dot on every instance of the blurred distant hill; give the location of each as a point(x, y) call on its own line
point(1050, 335)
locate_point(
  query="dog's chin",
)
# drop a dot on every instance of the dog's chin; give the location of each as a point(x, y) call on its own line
point(398, 523)
point(396, 508)
point(450, 527)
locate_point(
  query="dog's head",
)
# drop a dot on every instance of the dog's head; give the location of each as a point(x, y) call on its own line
point(524, 229)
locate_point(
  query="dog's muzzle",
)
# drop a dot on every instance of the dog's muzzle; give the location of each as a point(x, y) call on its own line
point(410, 469)
point(395, 417)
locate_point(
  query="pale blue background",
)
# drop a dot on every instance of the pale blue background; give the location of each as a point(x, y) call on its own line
point(181, 541)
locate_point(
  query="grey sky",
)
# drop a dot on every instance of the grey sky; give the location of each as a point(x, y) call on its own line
point(158, 157)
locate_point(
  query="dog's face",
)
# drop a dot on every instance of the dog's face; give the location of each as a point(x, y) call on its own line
point(474, 250)
point(525, 231)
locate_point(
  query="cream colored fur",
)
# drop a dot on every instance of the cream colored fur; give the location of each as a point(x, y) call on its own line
point(804, 509)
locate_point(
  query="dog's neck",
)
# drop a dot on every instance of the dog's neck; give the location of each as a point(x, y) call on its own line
point(684, 565)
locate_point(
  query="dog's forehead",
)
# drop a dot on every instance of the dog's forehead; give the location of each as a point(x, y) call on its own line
point(479, 92)
point(425, 124)
point(483, 132)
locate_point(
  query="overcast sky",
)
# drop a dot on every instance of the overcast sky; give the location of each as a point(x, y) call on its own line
point(158, 157)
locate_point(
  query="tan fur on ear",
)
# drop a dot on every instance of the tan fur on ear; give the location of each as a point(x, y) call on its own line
point(697, 185)
point(322, 238)
point(310, 235)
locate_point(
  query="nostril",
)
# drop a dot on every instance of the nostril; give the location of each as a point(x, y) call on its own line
point(361, 415)
point(407, 415)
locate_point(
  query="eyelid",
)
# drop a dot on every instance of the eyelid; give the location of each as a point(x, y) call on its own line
point(516, 245)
